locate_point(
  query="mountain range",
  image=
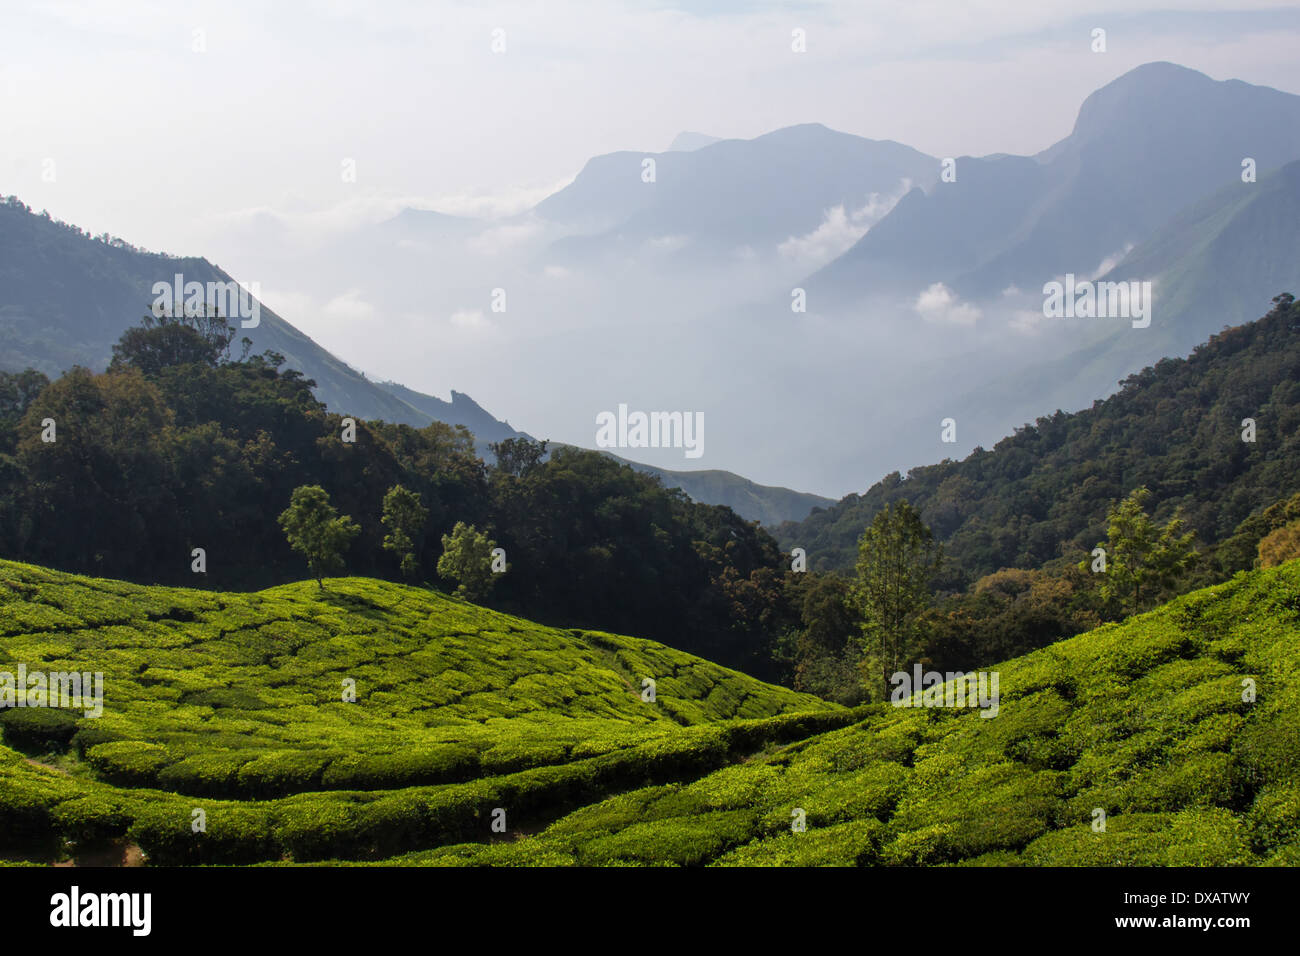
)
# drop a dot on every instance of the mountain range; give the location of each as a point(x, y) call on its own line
point(66, 297)
point(923, 294)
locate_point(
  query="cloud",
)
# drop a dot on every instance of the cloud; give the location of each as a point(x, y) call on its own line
point(939, 306)
point(495, 203)
point(839, 229)
point(498, 239)
point(1111, 261)
point(349, 307)
point(1027, 321)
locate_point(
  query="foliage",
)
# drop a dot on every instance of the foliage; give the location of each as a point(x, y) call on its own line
point(237, 702)
point(1280, 545)
point(1146, 721)
point(231, 703)
point(316, 530)
point(404, 518)
point(1042, 494)
point(897, 558)
point(517, 456)
point(1141, 559)
point(164, 341)
point(467, 559)
point(181, 446)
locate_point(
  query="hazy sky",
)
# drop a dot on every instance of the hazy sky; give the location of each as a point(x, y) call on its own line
point(220, 129)
point(171, 148)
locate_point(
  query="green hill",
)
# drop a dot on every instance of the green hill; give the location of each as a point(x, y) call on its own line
point(1145, 721)
point(231, 704)
point(239, 698)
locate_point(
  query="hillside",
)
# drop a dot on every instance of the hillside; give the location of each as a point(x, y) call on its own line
point(48, 270)
point(1144, 721)
point(65, 298)
point(765, 504)
point(1206, 265)
point(1041, 494)
point(1147, 721)
point(1020, 220)
point(240, 697)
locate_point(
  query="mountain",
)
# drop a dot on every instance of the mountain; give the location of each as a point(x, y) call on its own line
point(1041, 494)
point(687, 141)
point(1143, 147)
point(754, 502)
point(1207, 266)
point(461, 410)
point(66, 297)
point(1208, 262)
point(364, 717)
point(732, 193)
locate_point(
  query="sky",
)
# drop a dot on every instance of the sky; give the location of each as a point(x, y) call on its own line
point(173, 123)
point(220, 129)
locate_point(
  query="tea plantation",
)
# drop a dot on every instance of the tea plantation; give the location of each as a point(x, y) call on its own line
point(1173, 738)
point(235, 704)
point(1148, 722)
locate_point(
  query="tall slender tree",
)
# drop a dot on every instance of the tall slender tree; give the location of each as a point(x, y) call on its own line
point(404, 517)
point(897, 559)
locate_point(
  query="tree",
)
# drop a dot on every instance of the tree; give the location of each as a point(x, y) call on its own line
point(824, 652)
point(404, 517)
point(1141, 558)
point(163, 341)
point(897, 557)
point(317, 531)
point(1280, 545)
point(518, 456)
point(467, 559)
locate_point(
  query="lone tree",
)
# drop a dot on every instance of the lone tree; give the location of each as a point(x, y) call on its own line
point(317, 531)
point(897, 558)
point(467, 559)
point(1141, 558)
point(404, 517)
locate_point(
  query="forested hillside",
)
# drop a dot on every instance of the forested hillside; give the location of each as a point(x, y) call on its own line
point(1041, 495)
point(66, 297)
point(184, 444)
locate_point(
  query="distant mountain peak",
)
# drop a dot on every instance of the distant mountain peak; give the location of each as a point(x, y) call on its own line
point(687, 141)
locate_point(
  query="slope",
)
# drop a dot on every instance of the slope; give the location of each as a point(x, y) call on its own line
point(241, 701)
point(65, 298)
point(766, 504)
point(1126, 168)
point(1041, 494)
point(1170, 739)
